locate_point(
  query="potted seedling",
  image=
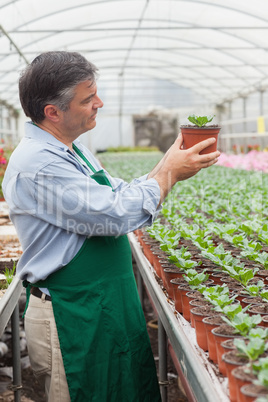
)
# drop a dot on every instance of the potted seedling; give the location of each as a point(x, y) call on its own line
point(199, 131)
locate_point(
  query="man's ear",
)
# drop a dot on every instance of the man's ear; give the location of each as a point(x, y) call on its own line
point(52, 113)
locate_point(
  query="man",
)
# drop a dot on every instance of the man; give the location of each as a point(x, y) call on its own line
point(85, 328)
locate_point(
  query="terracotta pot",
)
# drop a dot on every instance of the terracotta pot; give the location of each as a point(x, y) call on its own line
point(193, 135)
point(211, 323)
point(198, 314)
point(251, 392)
point(231, 360)
point(222, 333)
point(242, 377)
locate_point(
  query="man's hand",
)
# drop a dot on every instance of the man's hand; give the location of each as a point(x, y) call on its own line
point(179, 164)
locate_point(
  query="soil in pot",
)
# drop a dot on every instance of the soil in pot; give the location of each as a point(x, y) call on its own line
point(262, 273)
point(222, 333)
point(193, 135)
point(228, 345)
point(197, 303)
point(217, 276)
point(251, 392)
point(239, 292)
point(261, 309)
point(230, 281)
point(231, 360)
point(212, 322)
point(256, 300)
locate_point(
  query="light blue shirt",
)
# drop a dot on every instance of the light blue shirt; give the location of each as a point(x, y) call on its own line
point(55, 204)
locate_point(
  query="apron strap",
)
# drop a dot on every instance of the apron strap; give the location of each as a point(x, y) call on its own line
point(99, 176)
point(82, 156)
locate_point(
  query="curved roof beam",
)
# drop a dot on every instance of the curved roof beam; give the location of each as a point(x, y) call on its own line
point(13, 44)
point(189, 56)
point(194, 1)
point(174, 49)
point(109, 1)
point(53, 32)
point(168, 65)
point(8, 4)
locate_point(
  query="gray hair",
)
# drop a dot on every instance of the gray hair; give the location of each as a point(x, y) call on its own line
point(51, 78)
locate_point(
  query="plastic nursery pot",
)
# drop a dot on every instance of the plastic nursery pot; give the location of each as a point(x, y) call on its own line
point(242, 376)
point(222, 333)
point(139, 233)
point(158, 257)
point(251, 392)
point(211, 323)
point(178, 284)
point(186, 301)
point(146, 246)
point(174, 283)
point(169, 274)
point(193, 135)
point(198, 314)
point(198, 302)
point(231, 360)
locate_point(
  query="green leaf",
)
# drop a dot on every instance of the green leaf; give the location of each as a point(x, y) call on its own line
point(200, 121)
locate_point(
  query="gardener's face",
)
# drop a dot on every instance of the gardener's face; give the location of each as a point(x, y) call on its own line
point(82, 112)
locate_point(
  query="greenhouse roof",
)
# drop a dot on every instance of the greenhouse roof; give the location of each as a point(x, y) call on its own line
point(217, 49)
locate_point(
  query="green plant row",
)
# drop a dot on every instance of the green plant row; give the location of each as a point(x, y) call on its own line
point(233, 206)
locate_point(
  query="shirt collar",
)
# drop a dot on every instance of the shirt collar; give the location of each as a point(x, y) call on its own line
point(37, 133)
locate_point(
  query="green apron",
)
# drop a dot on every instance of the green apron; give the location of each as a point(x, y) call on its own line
point(102, 331)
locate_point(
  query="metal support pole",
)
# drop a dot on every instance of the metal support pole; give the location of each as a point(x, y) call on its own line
point(228, 141)
point(244, 114)
point(140, 287)
point(15, 326)
point(162, 351)
point(261, 103)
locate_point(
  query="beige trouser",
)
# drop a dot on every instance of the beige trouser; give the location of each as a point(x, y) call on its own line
point(44, 349)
